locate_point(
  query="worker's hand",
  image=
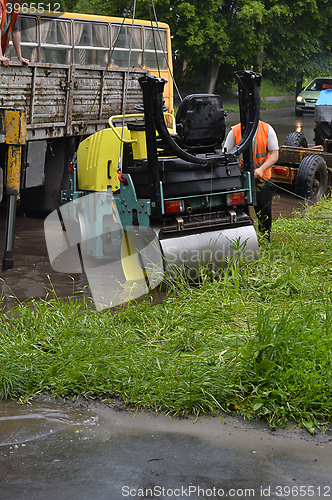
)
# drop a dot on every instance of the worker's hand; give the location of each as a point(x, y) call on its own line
point(258, 173)
point(4, 61)
point(25, 62)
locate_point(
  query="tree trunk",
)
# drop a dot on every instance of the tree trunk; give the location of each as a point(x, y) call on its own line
point(211, 77)
point(258, 61)
point(299, 85)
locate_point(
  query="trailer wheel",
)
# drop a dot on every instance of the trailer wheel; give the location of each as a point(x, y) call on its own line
point(311, 180)
point(297, 139)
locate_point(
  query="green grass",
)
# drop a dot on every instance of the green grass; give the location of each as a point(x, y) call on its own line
point(272, 88)
point(268, 88)
point(256, 339)
point(234, 108)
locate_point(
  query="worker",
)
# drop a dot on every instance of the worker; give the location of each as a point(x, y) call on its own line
point(9, 25)
point(266, 153)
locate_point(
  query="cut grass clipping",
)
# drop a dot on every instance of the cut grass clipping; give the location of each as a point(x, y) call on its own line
point(256, 339)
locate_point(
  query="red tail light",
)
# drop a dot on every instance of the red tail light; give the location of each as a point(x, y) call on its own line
point(281, 170)
point(236, 199)
point(174, 206)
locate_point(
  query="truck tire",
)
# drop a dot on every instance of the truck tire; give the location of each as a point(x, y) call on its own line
point(297, 139)
point(311, 179)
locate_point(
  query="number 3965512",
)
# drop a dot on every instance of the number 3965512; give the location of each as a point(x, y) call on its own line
point(33, 8)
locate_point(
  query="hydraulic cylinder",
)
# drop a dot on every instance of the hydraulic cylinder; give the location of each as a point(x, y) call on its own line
point(15, 136)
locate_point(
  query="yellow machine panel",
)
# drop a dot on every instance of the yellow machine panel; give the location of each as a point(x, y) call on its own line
point(98, 155)
point(97, 160)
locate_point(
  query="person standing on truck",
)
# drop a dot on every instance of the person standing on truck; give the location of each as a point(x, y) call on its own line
point(9, 25)
point(266, 153)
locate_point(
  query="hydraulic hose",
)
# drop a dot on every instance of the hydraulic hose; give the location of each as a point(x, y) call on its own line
point(252, 103)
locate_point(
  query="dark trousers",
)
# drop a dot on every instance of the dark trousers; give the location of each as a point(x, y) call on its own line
point(263, 208)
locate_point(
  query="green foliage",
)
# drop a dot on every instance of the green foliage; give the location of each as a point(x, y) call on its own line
point(297, 42)
point(234, 108)
point(286, 40)
point(270, 87)
point(96, 7)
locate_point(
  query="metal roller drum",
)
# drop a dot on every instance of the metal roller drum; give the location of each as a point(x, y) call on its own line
point(213, 249)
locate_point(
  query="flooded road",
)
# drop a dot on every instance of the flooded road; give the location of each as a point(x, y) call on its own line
point(32, 275)
point(283, 120)
point(51, 450)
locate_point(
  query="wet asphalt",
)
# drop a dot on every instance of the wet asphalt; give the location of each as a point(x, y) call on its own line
point(58, 450)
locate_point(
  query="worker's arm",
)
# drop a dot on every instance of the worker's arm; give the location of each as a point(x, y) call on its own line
point(16, 37)
point(3, 59)
point(271, 160)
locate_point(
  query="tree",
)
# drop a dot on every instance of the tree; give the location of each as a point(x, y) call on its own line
point(95, 7)
point(211, 39)
point(198, 32)
point(281, 38)
point(301, 45)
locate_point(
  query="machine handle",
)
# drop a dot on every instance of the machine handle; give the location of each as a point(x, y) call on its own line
point(120, 117)
point(172, 126)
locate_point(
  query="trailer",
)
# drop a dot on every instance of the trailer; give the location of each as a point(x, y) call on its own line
point(308, 167)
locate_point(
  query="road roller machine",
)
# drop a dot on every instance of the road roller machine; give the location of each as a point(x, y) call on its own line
point(154, 196)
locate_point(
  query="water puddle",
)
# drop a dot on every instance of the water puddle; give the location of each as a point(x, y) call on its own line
point(58, 450)
point(23, 423)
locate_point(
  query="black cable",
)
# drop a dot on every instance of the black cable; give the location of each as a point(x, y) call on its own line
point(295, 194)
point(165, 56)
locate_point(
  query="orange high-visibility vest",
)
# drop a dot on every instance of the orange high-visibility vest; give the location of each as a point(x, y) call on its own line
point(4, 13)
point(5, 37)
point(261, 153)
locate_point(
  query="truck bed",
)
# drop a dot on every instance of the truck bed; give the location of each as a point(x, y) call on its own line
point(58, 99)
